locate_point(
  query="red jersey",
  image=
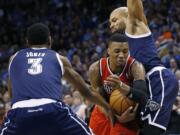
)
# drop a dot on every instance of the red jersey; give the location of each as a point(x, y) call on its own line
point(99, 123)
point(124, 76)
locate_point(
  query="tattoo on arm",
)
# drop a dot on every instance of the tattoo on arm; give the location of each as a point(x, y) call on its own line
point(95, 79)
point(137, 70)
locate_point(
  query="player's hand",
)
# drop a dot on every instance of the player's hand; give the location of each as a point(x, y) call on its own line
point(128, 115)
point(113, 81)
point(111, 116)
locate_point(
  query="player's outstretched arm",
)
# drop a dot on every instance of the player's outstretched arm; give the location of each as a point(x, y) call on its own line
point(136, 10)
point(76, 80)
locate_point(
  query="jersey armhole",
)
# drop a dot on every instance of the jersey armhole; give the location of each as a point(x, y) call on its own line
point(60, 63)
point(10, 61)
point(132, 60)
point(138, 36)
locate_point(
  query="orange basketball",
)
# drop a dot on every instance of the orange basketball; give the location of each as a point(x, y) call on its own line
point(119, 102)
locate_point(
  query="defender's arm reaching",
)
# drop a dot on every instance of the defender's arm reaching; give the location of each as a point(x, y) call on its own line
point(74, 78)
point(136, 11)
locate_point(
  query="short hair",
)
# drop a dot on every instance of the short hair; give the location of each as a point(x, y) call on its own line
point(117, 38)
point(121, 10)
point(38, 34)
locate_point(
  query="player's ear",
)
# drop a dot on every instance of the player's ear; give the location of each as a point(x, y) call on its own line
point(49, 41)
point(27, 42)
point(108, 51)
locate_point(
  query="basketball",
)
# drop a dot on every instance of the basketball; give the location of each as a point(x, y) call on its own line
point(119, 102)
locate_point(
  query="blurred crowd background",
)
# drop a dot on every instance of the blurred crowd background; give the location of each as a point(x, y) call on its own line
point(80, 31)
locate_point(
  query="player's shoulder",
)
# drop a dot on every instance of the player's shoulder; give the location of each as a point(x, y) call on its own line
point(137, 64)
point(94, 71)
point(52, 51)
point(65, 61)
point(20, 51)
point(63, 58)
point(94, 66)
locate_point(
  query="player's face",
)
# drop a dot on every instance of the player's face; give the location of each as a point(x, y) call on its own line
point(117, 22)
point(173, 63)
point(68, 99)
point(118, 53)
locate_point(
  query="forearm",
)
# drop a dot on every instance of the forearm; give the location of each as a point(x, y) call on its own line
point(138, 92)
point(125, 89)
point(102, 92)
point(77, 81)
point(91, 94)
point(136, 10)
point(9, 89)
point(98, 99)
point(135, 6)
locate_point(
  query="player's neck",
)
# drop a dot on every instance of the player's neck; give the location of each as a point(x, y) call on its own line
point(114, 69)
point(39, 46)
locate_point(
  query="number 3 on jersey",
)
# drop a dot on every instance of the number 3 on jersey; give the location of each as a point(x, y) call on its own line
point(36, 66)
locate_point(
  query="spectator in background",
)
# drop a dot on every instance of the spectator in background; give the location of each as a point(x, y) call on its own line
point(88, 110)
point(68, 99)
point(78, 105)
point(79, 27)
point(174, 66)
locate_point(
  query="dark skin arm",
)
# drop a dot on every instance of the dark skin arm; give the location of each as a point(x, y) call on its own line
point(136, 11)
point(137, 72)
point(95, 81)
point(76, 80)
point(94, 77)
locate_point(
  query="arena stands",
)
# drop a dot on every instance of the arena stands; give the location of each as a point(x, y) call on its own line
point(80, 31)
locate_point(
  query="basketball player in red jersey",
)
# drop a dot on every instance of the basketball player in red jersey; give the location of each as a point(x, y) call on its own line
point(105, 75)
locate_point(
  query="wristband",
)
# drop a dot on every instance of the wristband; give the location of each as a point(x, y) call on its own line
point(121, 84)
